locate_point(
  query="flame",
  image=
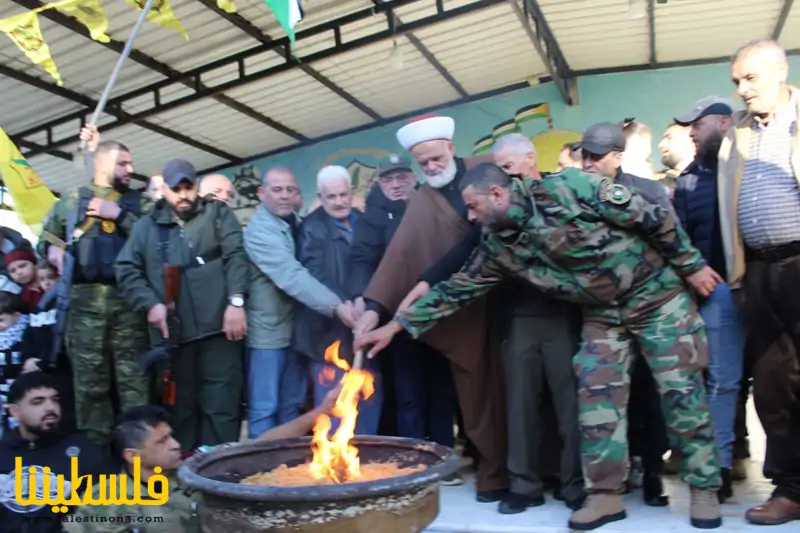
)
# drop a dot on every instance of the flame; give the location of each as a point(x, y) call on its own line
point(336, 458)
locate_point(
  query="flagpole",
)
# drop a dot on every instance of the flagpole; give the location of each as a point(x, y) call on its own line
point(78, 157)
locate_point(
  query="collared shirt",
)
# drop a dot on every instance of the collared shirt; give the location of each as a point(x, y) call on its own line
point(769, 201)
point(347, 230)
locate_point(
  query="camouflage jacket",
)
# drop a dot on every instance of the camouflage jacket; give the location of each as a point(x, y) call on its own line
point(54, 230)
point(178, 515)
point(577, 237)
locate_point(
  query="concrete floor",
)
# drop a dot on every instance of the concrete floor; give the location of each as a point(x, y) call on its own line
point(460, 513)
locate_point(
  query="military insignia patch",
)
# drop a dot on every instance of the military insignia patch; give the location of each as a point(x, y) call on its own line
point(108, 226)
point(614, 193)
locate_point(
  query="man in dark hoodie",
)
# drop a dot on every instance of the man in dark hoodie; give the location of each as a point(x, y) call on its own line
point(425, 396)
point(38, 441)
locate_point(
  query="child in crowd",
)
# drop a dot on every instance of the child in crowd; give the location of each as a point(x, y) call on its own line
point(13, 324)
point(26, 345)
point(47, 274)
point(21, 266)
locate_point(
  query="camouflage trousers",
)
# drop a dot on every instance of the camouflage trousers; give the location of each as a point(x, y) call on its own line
point(671, 336)
point(104, 341)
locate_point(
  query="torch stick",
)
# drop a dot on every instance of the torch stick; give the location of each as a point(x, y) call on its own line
point(78, 157)
point(358, 359)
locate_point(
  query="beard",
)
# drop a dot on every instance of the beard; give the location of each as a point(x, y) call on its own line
point(42, 429)
point(186, 214)
point(445, 177)
point(710, 147)
point(670, 160)
point(495, 220)
point(121, 186)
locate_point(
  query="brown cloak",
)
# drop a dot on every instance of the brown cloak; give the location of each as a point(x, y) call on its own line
point(429, 229)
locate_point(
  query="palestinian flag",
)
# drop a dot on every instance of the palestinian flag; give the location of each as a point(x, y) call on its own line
point(504, 128)
point(483, 145)
point(532, 112)
point(288, 13)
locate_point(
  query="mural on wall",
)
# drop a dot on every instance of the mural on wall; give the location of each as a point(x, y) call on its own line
point(361, 173)
point(653, 97)
point(247, 179)
point(548, 143)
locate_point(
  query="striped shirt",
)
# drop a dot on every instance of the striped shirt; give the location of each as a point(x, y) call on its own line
point(769, 201)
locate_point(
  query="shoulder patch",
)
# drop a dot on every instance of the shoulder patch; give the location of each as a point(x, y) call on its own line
point(614, 193)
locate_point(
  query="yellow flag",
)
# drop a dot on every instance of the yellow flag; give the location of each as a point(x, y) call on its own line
point(161, 13)
point(89, 13)
point(32, 199)
point(227, 6)
point(24, 30)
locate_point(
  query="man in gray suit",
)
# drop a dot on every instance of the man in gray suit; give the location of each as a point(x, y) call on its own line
point(277, 377)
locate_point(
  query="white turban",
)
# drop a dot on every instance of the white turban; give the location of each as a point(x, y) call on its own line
point(426, 128)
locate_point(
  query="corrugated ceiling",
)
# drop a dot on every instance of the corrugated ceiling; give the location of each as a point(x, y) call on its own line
point(483, 50)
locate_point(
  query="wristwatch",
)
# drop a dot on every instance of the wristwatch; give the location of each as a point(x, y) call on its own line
point(236, 301)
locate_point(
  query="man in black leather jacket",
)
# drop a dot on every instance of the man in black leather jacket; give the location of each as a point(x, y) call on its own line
point(325, 237)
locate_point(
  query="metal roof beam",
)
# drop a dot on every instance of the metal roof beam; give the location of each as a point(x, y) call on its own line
point(33, 146)
point(663, 65)
point(532, 19)
point(651, 30)
point(162, 68)
point(787, 7)
point(247, 27)
point(393, 19)
point(384, 122)
point(82, 99)
point(290, 63)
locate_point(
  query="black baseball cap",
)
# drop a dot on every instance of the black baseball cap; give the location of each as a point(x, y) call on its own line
point(177, 171)
point(602, 138)
point(393, 163)
point(710, 105)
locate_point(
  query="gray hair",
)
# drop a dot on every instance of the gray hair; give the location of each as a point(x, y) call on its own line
point(776, 51)
point(515, 141)
point(332, 173)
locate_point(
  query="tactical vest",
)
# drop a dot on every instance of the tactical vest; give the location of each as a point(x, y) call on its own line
point(101, 242)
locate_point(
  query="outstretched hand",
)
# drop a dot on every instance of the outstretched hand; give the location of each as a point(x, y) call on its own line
point(378, 339)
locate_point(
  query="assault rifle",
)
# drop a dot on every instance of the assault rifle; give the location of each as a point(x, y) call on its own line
point(172, 281)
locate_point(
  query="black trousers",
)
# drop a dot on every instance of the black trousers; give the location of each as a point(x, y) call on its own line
point(425, 394)
point(772, 313)
point(538, 355)
point(647, 429)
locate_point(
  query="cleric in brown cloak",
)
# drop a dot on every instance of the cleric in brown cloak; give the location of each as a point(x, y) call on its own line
point(434, 223)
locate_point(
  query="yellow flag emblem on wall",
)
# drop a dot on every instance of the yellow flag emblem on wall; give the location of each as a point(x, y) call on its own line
point(32, 199)
point(24, 30)
point(89, 13)
point(161, 13)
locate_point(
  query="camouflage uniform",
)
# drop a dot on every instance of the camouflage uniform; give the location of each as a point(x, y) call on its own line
point(178, 515)
point(104, 336)
point(584, 239)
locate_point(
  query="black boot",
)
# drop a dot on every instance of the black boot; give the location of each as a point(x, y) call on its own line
point(726, 488)
point(514, 503)
point(653, 490)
